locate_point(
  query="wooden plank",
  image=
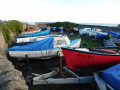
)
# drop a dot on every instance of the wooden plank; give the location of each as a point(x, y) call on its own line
point(44, 76)
point(64, 81)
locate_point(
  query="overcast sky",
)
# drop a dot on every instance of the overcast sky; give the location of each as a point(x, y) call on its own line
point(79, 11)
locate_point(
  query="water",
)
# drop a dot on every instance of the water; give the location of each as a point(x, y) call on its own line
point(101, 24)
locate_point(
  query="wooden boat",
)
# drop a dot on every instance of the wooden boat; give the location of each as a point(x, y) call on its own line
point(31, 31)
point(83, 57)
point(35, 34)
point(45, 48)
point(108, 78)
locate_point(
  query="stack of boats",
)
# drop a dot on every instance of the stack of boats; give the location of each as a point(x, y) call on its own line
point(44, 46)
point(95, 32)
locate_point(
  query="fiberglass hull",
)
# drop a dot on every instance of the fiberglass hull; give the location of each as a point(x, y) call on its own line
point(76, 59)
point(41, 54)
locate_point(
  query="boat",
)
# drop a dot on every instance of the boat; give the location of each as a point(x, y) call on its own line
point(108, 78)
point(94, 31)
point(102, 35)
point(31, 31)
point(44, 32)
point(84, 31)
point(45, 48)
point(77, 58)
point(114, 34)
point(116, 41)
point(53, 28)
point(27, 40)
point(109, 43)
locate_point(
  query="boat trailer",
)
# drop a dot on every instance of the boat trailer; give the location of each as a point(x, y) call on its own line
point(46, 78)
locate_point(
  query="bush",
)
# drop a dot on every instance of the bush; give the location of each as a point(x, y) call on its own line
point(11, 26)
point(6, 32)
point(66, 25)
point(15, 26)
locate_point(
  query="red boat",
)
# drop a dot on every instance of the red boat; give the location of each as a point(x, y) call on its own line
point(83, 57)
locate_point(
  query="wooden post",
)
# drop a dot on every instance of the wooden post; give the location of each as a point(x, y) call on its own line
point(28, 67)
point(61, 73)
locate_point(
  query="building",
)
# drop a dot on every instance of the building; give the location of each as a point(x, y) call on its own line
point(42, 24)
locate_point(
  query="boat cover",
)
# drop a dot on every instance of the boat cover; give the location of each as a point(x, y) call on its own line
point(44, 44)
point(114, 34)
point(112, 76)
point(102, 35)
point(36, 34)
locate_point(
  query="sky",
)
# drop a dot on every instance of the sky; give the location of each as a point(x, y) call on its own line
point(78, 11)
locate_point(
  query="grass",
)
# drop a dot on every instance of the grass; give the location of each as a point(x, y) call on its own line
point(90, 43)
point(73, 37)
point(86, 41)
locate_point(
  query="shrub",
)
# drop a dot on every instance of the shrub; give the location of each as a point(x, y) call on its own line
point(66, 25)
point(15, 26)
point(6, 32)
point(11, 26)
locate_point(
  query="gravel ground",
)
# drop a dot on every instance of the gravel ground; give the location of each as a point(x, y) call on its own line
point(45, 66)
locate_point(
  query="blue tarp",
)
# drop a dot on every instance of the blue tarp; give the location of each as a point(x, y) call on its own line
point(36, 34)
point(111, 75)
point(44, 44)
point(101, 36)
point(114, 34)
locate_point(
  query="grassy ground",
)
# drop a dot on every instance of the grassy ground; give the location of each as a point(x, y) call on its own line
point(91, 43)
point(86, 40)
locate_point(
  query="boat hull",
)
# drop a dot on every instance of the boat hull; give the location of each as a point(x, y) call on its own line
point(36, 34)
point(31, 31)
point(41, 53)
point(76, 59)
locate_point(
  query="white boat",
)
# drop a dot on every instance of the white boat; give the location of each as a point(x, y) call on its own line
point(94, 31)
point(84, 31)
point(26, 40)
point(45, 48)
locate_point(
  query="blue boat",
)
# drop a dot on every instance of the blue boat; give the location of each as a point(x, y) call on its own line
point(114, 34)
point(102, 35)
point(35, 34)
point(109, 43)
point(109, 78)
point(45, 48)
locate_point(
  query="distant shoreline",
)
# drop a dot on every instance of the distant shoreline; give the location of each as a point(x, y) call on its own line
point(99, 24)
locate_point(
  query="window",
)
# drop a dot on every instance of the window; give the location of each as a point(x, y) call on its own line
point(61, 42)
